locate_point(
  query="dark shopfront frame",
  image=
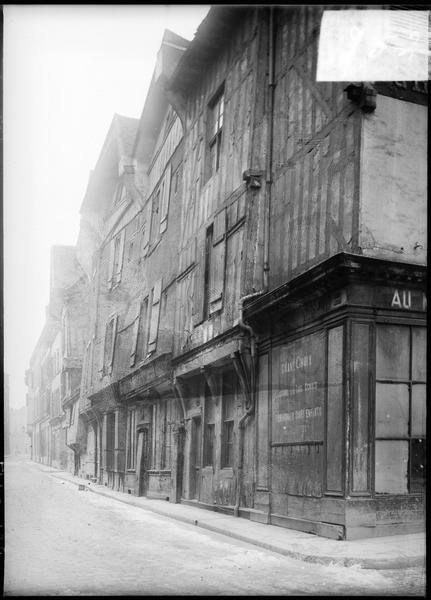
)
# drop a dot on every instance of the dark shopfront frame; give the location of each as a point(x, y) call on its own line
point(358, 293)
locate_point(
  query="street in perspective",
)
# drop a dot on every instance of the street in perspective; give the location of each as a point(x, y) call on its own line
point(63, 541)
point(216, 310)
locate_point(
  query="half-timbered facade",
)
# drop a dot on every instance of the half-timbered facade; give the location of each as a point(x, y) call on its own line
point(255, 247)
point(129, 410)
point(303, 217)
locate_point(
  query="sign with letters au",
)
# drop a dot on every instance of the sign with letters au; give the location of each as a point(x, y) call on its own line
point(298, 377)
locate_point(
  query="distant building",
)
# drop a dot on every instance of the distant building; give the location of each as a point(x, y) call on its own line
point(56, 362)
point(19, 440)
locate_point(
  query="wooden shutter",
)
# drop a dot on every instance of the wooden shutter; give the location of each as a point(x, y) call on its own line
point(199, 275)
point(120, 256)
point(86, 366)
point(114, 322)
point(102, 354)
point(135, 335)
point(155, 311)
point(164, 199)
point(147, 228)
point(217, 266)
point(111, 251)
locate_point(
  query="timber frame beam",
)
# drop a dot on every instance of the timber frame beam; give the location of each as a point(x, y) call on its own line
point(244, 376)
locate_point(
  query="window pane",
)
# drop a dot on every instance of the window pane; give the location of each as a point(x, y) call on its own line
point(419, 350)
point(392, 410)
point(209, 445)
point(228, 444)
point(392, 352)
point(419, 414)
point(418, 462)
point(391, 466)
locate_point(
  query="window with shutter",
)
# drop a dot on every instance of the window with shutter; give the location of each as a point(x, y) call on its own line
point(109, 345)
point(207, 270)
point(140, 331)
point(164, 199)
point(217, 264)
point(199, 276)
point(154, 320)
point(86, 366)
point(135, 335)
point(116, 259)
point(101, 368)
point(214, 132)
point(119, 263)
point(147, 228)
point(155, 225)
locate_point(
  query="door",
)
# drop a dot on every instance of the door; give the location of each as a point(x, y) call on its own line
point(195, 457)
point(144, 459)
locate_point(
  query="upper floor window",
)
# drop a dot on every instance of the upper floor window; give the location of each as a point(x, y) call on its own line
point(215, 129)
point(207, 272)
point(108, 347)
point(116, 259)
point(120, 194)
point(140, 333)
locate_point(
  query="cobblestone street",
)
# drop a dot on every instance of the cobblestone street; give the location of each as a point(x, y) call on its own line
point(61, 541)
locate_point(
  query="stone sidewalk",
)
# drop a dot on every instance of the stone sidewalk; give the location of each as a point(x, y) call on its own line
point(391, 552)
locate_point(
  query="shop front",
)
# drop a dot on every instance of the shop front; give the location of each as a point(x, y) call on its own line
point(341, 408)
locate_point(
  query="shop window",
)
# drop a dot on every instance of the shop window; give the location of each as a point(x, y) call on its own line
point(209, 430)
point(209, 444)
point(228, 413)
point(131, 439)
point(400, 411)
point(215, 129)
point(110, 440)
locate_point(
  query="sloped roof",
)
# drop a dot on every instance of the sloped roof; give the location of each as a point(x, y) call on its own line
point(126, 128)
point(211, 35)
point(172, 49)
point(119, 141)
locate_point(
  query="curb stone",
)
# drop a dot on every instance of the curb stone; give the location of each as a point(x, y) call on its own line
point(365, 563)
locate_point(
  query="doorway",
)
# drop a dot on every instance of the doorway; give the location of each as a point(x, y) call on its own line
point(143, 459)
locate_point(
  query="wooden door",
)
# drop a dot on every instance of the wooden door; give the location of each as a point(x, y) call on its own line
point(144, 459)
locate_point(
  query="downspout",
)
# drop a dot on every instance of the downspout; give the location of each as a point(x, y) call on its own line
point(268, 166)
point(251, 404)
point(267, 207)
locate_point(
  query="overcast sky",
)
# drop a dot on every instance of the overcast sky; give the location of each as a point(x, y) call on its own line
point(67, 70)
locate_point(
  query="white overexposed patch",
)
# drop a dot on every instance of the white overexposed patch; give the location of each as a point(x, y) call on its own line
point(373, 45)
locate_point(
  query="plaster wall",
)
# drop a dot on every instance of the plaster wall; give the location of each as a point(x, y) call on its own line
point(393, 182)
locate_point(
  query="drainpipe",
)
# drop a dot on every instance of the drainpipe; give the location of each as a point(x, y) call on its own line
point(251, 404)
point(268, 166)
point(267, 207)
